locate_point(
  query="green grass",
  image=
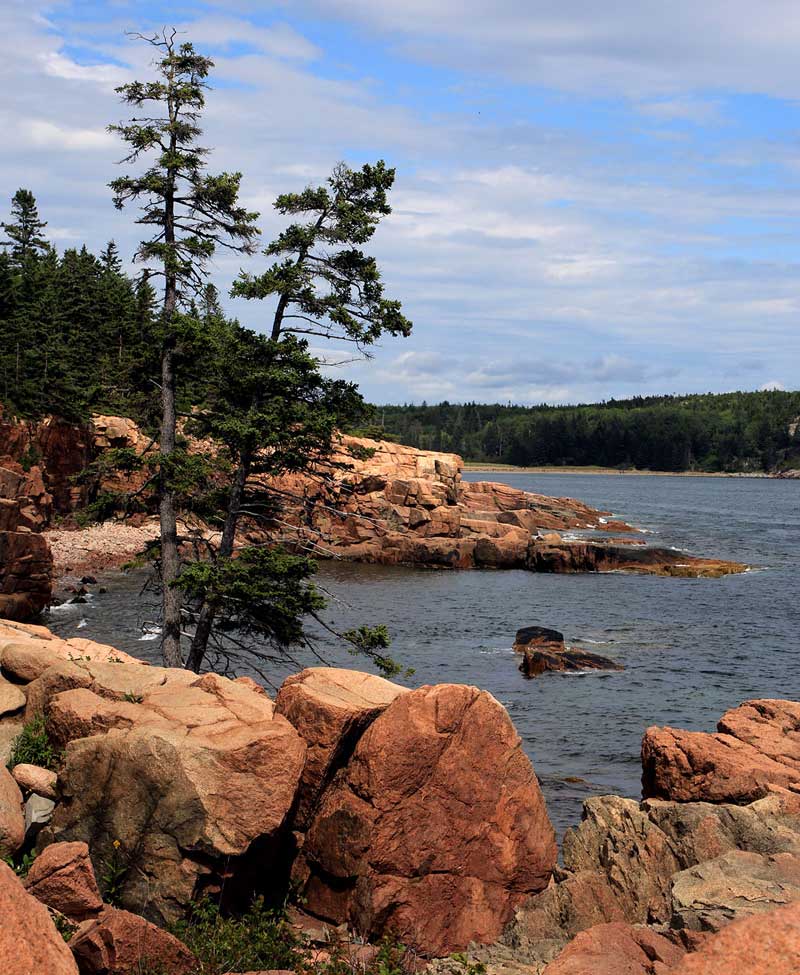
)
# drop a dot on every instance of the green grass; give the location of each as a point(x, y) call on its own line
point(32, 746)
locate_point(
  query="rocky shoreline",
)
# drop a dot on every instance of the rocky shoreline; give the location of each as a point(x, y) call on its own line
point(373, 501)
point(387, 809)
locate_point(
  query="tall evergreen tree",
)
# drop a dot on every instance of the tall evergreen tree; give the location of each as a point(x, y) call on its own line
point(25, 229)
point(191, 213)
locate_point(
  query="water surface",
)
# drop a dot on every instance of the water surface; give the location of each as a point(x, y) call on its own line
point(691, 648)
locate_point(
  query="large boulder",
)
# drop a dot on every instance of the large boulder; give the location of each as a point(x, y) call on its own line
point(121, 943)
point(617, 949)
point(29, 941)
point(207, 775)
point(62, 878)
point(331, 708)
point(34, 778)
point(436, 828)
point(756, 749)
point(762, 944)
point(12, 818)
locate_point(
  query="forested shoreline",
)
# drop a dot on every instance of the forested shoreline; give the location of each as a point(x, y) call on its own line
point(79, 337)
point(736, 432)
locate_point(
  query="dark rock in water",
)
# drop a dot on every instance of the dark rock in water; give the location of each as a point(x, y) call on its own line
point(538, 661)
point(538, 637)
point(78, 599)
point(102, 590)
point(88, 581)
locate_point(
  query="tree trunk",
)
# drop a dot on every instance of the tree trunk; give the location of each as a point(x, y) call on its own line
point(208, 610)
point(170, 565)
point(170, 562)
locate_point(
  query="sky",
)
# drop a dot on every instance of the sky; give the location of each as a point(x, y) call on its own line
point(592, 200)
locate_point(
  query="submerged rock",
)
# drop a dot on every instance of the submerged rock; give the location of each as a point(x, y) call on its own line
point(536, 662)
point(544, 651)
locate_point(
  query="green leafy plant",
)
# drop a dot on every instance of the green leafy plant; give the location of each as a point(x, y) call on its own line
point(32, 746)
point(64, 926)
point(132, 698)
point(112, 878)
point(22, 865)
point(261, 939)
point(467, 965)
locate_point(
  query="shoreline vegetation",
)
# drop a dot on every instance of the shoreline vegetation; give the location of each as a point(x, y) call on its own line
point(477, 467)
point(718, 433)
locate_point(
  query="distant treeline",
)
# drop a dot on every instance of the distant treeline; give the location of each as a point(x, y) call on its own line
point(710, 432)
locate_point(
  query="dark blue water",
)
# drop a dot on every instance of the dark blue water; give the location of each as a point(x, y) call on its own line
point(691, 648)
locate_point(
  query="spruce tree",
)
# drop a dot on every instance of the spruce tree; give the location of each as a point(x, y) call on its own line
point(25, 230)
point(323, 283)
point(190, 213)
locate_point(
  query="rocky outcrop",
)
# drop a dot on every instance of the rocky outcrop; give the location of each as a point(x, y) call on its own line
point(602, 556)
point(385, 503)
point(436, 828)
point(688, 867)
point(709, 895)
point(26, 574)
point(45, 454)
point(29, 940)
point(415, 811)
point(756, 749)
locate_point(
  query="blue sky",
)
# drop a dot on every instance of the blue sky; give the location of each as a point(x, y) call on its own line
point(592, 200)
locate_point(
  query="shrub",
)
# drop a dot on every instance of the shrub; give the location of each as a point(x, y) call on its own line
point(32, 746)
point(259, 940)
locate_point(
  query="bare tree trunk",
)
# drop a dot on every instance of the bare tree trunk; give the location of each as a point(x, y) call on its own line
point(208, 610)
point(170, 566)
point(170, 562)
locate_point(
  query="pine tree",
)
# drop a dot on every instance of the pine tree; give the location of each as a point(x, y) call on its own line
point(25, 232)
point(110, 259)
point(323, 282)
point(191, 214)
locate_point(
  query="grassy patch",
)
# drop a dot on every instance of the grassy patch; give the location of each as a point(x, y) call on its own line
point(32, 746)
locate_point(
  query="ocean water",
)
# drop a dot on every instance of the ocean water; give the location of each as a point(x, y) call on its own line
point(691, 648)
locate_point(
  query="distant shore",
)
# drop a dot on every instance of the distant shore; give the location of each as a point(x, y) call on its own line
point(476, 467)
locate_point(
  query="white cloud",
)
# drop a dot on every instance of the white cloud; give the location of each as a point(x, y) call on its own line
point(57, 65)
point(538, 262)
point(628, 47)
point(48, 135)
